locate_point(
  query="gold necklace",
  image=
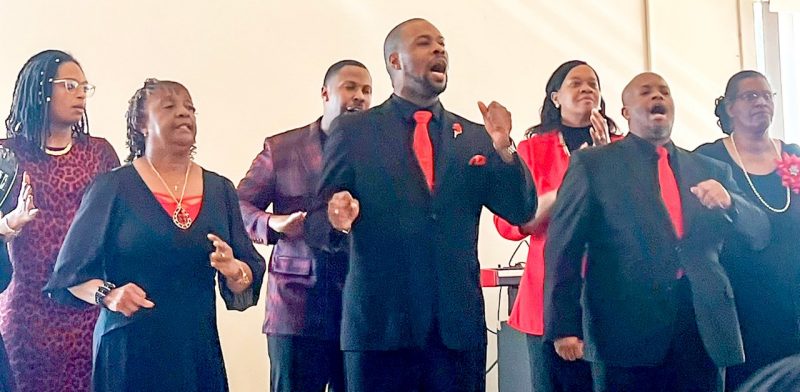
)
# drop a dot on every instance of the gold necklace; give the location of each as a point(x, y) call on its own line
point(753, 187)
point(180, 217)
point(58, 152)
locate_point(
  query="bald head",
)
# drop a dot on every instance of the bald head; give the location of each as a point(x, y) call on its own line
point(648, 107)
point(637, 81)
point(394, 38)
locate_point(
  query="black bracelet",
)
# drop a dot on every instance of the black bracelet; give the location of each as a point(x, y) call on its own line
point(101, 293)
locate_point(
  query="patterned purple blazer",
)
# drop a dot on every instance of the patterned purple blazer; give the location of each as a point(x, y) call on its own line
point(304, 286)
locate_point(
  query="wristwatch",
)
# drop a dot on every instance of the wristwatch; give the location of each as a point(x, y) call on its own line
point(511, 149)
point(102, 291)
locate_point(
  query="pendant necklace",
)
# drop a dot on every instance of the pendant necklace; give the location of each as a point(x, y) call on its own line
point(180, 217)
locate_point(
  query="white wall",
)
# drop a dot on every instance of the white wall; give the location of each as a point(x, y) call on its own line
point(255, 67)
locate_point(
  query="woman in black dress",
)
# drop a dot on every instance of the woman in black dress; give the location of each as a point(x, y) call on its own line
point(147, 244)
point(766, 282)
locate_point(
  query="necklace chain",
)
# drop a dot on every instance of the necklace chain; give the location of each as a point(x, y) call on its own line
point(750, 181)
point(180, 217)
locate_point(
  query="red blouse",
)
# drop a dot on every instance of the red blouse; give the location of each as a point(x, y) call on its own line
point(191, 204)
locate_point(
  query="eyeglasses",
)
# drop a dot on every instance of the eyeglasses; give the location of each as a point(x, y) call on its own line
point(72, 86)
point(752, 96)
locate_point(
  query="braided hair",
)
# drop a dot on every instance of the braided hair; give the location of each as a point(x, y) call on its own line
point(724, 120)
point(29, 117)
point(136, 116)
point(549, 114)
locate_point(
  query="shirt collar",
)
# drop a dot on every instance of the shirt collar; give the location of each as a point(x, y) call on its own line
point(407, 108)
point(316, 126)
point(315, 129)
point(649, 148)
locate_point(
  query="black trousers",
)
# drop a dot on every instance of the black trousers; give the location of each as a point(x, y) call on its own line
point(686, 368)
point(304, 364)
point(434, 368)
point(550, 373)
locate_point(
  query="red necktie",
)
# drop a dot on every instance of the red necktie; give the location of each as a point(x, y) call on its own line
point(669, 190)
point(422, 145)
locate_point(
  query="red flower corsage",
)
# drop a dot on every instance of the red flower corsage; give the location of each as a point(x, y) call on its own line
point(789, 170)
point(457, 130)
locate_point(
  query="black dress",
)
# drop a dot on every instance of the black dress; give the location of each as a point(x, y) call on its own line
point(122, 234)
point(766, 284)
point(6, 378)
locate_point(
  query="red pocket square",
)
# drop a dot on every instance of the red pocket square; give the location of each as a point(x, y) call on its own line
point(477, 160)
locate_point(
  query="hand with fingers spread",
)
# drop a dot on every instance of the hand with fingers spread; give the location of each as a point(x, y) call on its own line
point(569, 348)
point(712, 195)
point(25, 210)
point(599, 129)
point(127, 299)
point(343, 209)
point(289, 225)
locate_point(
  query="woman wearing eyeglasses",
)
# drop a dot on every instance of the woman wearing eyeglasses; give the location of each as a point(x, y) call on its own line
point(49, 345)
point(765, 283)
point(149, 244)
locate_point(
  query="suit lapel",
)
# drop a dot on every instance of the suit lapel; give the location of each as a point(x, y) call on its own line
point(443, 165)
point(649, 191)
point(310, 152)
point(687, 178)
point(396, 151)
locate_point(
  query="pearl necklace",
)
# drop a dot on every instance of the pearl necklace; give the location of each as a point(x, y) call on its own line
point(753, 187)
point(180, 217)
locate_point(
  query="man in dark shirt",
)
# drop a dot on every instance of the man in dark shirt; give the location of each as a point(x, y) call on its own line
point(655, 310)
point(304, 285)
point(409, 179)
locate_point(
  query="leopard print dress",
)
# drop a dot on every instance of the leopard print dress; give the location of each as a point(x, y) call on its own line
point(50, 345)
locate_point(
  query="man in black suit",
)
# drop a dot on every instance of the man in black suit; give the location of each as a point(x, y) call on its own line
point(654, 310)
point(413, 311)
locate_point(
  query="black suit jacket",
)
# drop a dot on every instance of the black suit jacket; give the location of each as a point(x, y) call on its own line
point(413, 253)
point(609, 207)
